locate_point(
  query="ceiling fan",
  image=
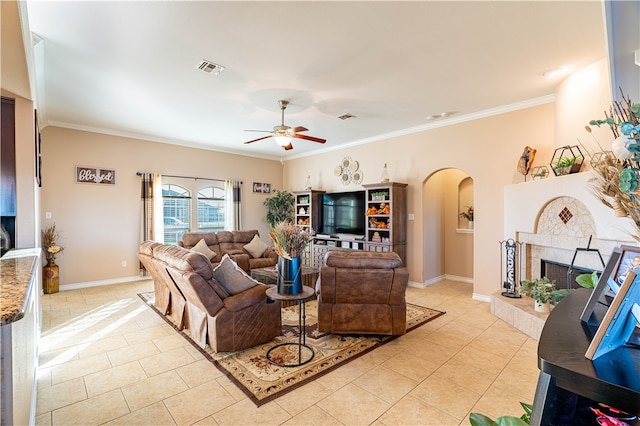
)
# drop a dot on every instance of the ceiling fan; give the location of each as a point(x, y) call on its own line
point(283, 135)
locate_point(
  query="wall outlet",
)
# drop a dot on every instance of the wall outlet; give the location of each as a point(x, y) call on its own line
point(47, 215)
point(124, 263)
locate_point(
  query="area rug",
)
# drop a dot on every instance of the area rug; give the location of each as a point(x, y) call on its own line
point(262, 381)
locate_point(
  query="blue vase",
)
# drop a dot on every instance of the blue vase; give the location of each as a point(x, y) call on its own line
point(289, 276)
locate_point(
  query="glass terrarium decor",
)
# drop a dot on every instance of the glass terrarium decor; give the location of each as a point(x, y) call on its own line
point(540, 172)
point(566, 160)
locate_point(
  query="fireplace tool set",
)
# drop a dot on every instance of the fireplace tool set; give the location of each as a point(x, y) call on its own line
point(510, 259)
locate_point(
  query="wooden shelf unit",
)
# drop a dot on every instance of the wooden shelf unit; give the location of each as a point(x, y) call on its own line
point(307, 213)
point(386, 228)
point(307, 209)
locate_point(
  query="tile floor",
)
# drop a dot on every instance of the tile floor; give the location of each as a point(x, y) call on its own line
point(107, 359)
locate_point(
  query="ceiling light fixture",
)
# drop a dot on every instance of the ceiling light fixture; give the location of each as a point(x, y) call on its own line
point(552, 73)
point(282, 138)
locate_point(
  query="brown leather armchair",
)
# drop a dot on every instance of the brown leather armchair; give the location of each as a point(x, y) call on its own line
point(362, 293)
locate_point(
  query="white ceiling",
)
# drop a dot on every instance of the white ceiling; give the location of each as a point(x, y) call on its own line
point(129, 68)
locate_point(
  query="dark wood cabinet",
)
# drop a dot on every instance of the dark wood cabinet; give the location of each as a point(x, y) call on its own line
point(8, 159)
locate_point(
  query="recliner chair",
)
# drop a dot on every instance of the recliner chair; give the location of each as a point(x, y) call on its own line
point(362, 292)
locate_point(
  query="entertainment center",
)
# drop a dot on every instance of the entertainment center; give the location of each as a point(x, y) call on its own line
point(373, 219)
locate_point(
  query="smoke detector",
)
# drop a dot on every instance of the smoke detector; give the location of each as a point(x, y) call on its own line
point(210, 67)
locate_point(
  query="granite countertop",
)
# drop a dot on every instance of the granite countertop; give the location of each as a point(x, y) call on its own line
point(16, 271)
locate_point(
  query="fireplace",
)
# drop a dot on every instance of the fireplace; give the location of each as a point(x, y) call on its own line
point(564, 275)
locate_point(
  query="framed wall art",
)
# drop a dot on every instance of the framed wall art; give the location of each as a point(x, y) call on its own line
point(264, 188)
point(95, 175)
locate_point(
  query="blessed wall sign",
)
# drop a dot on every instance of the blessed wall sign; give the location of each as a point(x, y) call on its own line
point(95, 175)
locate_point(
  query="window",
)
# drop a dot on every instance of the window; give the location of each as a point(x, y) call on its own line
point(176, 209)
point(211, 209)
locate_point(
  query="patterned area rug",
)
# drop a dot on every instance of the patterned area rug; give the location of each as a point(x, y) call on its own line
point(262, 381)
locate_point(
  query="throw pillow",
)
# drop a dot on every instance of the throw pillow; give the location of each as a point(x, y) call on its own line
point(232, 277)
point(256, 247)
point(202, 247)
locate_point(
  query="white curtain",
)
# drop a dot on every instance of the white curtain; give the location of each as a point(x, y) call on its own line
point(233, 205)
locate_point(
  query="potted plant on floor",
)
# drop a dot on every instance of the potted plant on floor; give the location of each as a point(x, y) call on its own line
point(543, 291)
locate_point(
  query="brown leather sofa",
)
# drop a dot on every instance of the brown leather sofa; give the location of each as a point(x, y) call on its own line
point(362, 293)
point(187, 291)
point(232, 243)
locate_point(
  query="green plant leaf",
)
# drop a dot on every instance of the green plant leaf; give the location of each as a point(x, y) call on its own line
point(477, 419)
point(588, 280)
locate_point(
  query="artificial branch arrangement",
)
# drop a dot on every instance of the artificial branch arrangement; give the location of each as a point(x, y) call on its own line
point(616, 180)
point(289, 240)
point(49, 243)
point(468, 214)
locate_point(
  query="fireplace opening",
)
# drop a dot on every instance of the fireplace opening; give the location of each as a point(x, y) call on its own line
point(559, 272)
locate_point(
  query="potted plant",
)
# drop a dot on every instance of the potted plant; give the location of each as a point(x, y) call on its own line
point(566, 159)
point(280, 207)
point(468, 215)
point(588, 280)
point(289, 241)
point(543, 291)
point(477, 419)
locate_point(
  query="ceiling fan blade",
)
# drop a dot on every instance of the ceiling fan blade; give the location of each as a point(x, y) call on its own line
point(288, 147)
point(263, 131)
point(310, 138)
point(299, 129)
point(259, 139)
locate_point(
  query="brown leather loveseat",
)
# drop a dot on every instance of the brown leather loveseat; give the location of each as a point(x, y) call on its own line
point(233, 243)
point(222, 307)
point(362, 293)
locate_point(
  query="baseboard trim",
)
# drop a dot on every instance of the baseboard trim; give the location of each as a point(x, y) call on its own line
point(439, 279)
point(481, 297)
point(459, 279)
point(102, 282)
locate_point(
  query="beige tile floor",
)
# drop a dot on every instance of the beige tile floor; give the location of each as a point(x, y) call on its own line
point(107, 359)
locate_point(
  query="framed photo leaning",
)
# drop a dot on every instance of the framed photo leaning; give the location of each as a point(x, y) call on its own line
point(619, 323)
point(597, 295)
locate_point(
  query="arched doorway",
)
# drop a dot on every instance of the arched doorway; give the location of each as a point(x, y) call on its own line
point(448, 239)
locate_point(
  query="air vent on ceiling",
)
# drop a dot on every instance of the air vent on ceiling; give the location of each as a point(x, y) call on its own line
point(209, 67)
point(346, 116)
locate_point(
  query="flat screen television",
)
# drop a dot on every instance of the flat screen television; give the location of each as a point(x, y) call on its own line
point(342, 213)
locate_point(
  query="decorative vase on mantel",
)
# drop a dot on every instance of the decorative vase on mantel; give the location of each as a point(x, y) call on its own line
point(289, 276)
point(51, 277)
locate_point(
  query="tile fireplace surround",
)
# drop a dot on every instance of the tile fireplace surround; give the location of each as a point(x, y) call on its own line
point(550, 219)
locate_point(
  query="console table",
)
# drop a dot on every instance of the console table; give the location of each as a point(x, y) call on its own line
point(566, 375)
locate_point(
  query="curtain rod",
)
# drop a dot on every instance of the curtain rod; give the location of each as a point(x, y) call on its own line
point(190, 177)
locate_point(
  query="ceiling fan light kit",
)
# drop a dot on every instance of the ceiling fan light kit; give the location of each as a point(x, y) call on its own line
point(283, 135)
